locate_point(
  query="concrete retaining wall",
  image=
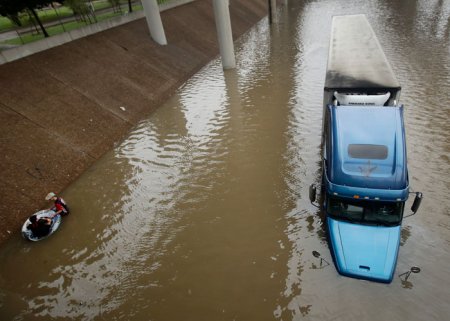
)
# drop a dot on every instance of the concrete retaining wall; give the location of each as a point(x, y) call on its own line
point(61, 109)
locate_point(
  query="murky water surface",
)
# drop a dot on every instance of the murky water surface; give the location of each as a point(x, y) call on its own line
point(202, 212)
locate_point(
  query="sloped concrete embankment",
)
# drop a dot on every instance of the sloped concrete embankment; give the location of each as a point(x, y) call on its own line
point(62, 109)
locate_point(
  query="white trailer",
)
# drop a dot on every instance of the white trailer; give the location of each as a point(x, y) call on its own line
point(358, 72)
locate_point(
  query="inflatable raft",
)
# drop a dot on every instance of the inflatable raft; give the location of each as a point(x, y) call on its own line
point(56, 221)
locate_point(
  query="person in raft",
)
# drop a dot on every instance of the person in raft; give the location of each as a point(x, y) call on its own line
point(60, 206)
point(39, 227)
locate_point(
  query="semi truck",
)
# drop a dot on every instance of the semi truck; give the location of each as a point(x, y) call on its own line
point(365, 180)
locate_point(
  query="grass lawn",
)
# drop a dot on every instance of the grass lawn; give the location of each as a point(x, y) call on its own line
point(54, 15)
point(57, 29)
point(49, 14)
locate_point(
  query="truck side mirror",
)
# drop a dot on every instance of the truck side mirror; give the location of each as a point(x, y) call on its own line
point(417, 201)
point(312, 193)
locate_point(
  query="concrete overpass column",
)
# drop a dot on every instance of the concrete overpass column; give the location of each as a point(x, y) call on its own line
point(224, 33)
point(273, 10)
point(154, 22)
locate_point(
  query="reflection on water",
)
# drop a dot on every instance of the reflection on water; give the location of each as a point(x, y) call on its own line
point(202, 213)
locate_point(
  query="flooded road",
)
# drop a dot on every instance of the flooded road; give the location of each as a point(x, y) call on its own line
point(202, 212)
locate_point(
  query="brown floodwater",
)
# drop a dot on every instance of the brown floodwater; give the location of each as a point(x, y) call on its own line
point(202, 212)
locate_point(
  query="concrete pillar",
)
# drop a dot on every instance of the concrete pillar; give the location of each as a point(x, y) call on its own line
point(224, 33)
point(154, 22)
point(273, 11)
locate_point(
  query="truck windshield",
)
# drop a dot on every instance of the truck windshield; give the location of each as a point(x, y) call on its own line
point(368, 212)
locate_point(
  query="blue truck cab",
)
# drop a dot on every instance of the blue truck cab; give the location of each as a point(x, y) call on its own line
point(364, 174)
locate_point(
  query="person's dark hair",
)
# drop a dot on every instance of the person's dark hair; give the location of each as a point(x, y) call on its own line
point(33, 218)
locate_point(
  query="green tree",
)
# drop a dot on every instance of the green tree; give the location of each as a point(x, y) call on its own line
point(115, 4)
point(80, 8)
point(12, 8)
